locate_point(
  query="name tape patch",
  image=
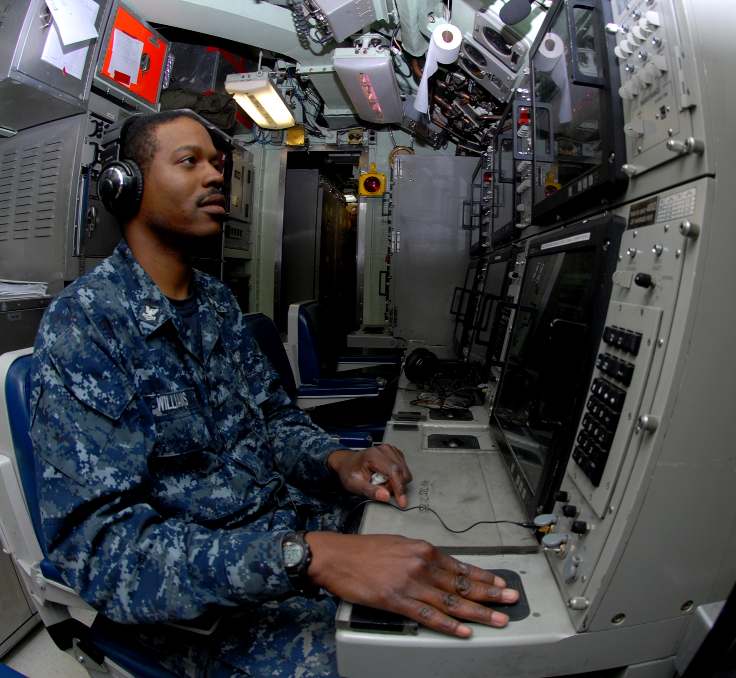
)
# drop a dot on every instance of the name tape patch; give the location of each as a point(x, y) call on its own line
point(165, 403)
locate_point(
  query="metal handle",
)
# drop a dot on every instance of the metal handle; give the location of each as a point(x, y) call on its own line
point(457, 303)
point(45, 17)
point(689, 145)
point(649, 422)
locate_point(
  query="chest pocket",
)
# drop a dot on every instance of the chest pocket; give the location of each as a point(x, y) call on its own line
point(183, 441)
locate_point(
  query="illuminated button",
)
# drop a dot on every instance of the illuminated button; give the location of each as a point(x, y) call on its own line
point(626, 48)
point(660, 62)
point(638, 35)
point(645, 27)
point(652, 18)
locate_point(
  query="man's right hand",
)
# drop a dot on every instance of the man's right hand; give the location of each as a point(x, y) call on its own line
point(408, 577)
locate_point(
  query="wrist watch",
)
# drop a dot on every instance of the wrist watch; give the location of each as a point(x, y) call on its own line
point(297, 557)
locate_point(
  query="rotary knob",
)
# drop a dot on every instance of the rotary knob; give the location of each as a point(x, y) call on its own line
point(644, 280)
point(555, 542)
point(579, 527)
point(569, 511)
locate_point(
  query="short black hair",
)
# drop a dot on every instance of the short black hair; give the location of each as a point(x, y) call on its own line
point(139, 143)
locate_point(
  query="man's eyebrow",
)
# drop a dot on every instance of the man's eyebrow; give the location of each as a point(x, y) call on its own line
point(189, 147)
point(195, 148)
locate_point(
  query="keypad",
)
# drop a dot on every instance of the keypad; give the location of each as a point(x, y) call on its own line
point(626, 340)
point(605, 402)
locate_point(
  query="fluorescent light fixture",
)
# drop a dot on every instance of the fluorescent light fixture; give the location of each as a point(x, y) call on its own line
point(367, 75)
point(350, 197)
point(259, 98)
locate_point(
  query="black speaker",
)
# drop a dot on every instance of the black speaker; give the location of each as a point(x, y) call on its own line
point(120, 184)
point(421, 366)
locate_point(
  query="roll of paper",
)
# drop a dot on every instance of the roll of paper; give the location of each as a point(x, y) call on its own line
point(550, 51)
point(444, 46)
point(550, 58)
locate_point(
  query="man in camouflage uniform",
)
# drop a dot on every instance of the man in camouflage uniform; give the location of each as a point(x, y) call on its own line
point(174, 472)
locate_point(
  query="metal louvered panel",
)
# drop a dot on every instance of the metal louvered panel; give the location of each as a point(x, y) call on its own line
point(44, 233)
point(28, 190)
point(7, 174)
point(30, 159)
point(46, 192)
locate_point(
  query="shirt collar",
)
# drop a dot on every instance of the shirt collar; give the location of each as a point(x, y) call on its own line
point(149, 305)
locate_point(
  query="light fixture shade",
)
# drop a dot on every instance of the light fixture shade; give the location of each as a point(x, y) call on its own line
point(369, 80)
point(257, 96)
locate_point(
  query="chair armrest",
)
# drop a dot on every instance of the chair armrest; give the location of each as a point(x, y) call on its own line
point(369, 360)
point(323, 390)
point(16, 529)
point(353, 440)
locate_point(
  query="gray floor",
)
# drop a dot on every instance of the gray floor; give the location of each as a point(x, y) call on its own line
point(36, 656)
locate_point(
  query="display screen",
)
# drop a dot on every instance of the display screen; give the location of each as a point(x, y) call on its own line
point(496, 284)
point(546, 357)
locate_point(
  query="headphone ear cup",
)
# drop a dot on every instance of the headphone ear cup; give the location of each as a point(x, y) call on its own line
point(420, 366)
point(120, 187)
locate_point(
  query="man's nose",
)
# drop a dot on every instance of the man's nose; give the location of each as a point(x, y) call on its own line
point(213, 177)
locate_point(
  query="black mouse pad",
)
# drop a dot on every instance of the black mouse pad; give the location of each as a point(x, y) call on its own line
point(451, 414)
point(453, 442)
point(518, 610)
point(364, 618)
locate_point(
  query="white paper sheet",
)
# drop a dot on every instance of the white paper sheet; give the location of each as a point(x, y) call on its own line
point(69, 60)
point(22, 288)
point(75, 19)
point(126, 55)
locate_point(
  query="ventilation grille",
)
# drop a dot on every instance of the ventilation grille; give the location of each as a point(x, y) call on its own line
point(28, 187)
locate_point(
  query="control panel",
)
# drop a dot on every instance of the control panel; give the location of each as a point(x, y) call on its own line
point(617, 416)
point(658, 83)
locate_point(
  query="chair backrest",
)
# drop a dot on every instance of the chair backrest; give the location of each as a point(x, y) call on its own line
point(17, 387)
point(308, 342)
point(267, 337)
point(303, 341)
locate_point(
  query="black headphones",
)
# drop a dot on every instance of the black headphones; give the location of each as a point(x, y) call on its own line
point(421, 366)
point(120, 184)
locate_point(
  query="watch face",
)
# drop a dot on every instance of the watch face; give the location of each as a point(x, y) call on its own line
point(293, 554)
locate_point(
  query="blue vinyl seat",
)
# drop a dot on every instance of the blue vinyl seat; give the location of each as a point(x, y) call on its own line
point(97, 646)
point(308, 340)
point(267, 336)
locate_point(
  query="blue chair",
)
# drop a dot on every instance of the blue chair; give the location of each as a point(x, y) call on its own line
point(307, 343)
point(97, 646)
point(267, 336)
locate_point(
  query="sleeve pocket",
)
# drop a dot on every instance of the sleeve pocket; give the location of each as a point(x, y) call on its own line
point(92, 376)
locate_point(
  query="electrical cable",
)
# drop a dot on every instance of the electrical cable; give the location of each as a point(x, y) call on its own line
point(421, 507)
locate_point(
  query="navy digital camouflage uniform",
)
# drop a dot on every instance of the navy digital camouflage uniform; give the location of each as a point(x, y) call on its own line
point(170, 472)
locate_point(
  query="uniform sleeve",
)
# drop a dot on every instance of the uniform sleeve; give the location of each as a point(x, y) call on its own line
point(300, 446)
point(102, 527)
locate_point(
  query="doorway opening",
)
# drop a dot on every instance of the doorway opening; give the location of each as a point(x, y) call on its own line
point(320, 236)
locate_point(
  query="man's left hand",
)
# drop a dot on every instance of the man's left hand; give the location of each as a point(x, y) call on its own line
point(356, 468)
